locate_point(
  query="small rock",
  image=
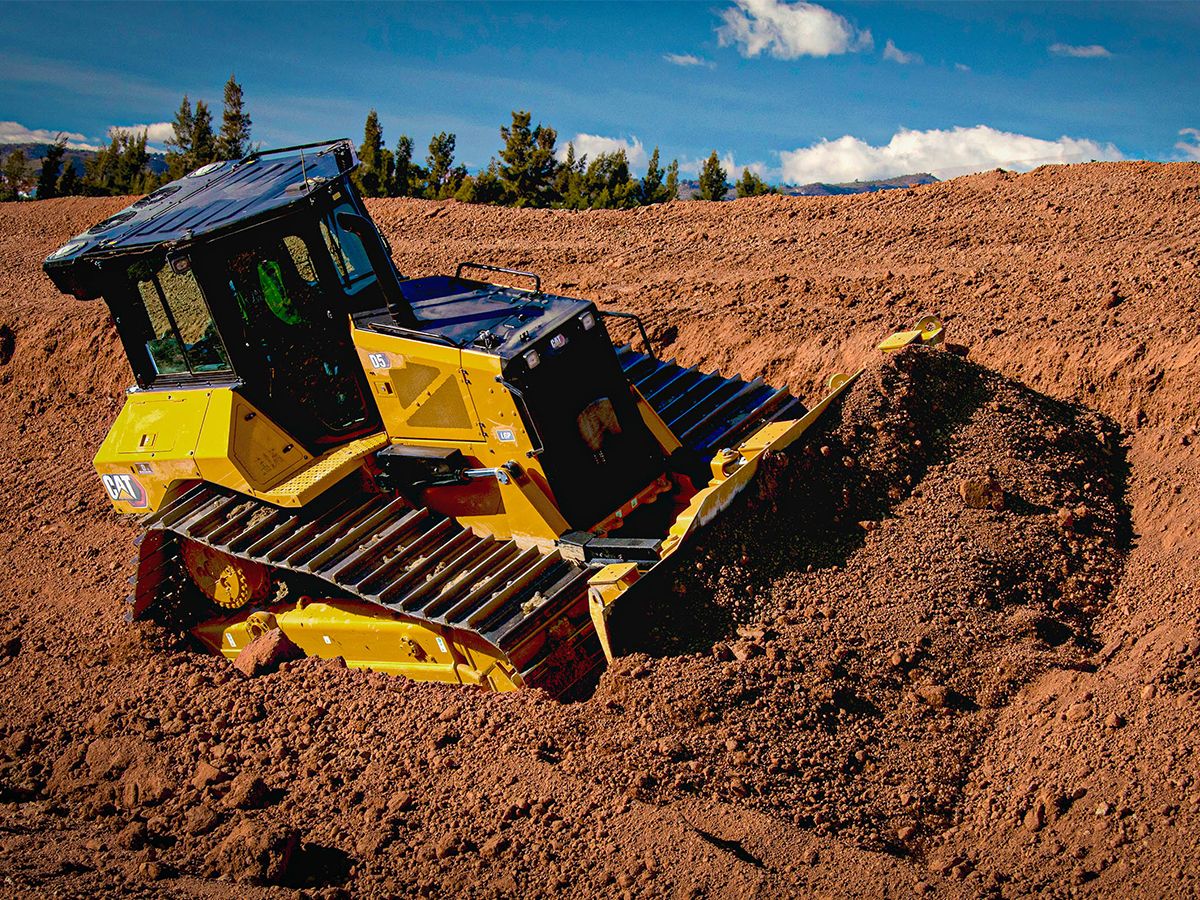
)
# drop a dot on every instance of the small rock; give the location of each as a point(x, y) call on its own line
point(247, 791)
point(935, 695)
point(448, 846)
point(256, 851)
point(744, 650)
point(906, 832)
point(201, 819)
point(206, 774)
point(1114, 720)
point(981, 493)
point(1035, 817)
point(493, 846)
point(266, 653)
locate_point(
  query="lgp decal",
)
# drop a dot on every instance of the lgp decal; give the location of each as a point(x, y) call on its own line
point(124, 488)
point(506, 435)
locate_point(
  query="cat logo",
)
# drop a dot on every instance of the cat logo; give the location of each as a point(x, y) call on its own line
point(124, 488)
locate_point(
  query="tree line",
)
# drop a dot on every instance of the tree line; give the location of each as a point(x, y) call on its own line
point(525, 172)
point(123, 166)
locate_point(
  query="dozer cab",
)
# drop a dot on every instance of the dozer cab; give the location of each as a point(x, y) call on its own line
point(437, 477)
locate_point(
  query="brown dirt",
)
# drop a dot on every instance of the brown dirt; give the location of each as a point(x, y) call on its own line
point(960, 657)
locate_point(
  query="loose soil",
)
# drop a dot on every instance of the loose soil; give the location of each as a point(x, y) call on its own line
point(948, 645)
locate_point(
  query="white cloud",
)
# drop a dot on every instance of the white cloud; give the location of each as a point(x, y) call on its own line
point(944, 153)
point(16, 133)
point(156, 132)
point(1087, 51)
point(1190, 145)
point(895, 54)
point(688, 59)
point(595, 144)
point(962, 67)
point(788, 30)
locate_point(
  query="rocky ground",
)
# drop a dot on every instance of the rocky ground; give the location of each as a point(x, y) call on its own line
point(949, 647)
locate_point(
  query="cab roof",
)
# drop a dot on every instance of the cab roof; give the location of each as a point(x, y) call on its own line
point(212, 199)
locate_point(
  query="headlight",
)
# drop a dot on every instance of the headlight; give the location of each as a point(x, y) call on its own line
point(588, 321)
point(532, 359)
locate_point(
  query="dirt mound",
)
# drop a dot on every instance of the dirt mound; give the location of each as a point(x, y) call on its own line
point(960, 655)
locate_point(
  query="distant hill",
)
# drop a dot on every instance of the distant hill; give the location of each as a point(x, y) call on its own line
point(688, 188)
point(36, 152)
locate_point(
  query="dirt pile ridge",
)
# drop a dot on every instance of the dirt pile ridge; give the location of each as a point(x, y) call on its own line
point(960, 656)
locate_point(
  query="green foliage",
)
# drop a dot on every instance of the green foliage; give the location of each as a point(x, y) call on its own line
point(750, 185)
point(607, 183)
point(527, 166)
point(120, 168)
point(179, 144)
point(47, 183)
point(204, 142)
point(14, 175)
point(443, 178)
point(486, 187)
point(234, 140)
point(68, 182)
point(406, 177)
point(672, 185)
point(713, 181)
point(374, 175)
point(652, 188)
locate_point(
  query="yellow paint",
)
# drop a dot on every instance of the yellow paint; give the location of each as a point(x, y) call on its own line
point(604, 588)
point(369, 637)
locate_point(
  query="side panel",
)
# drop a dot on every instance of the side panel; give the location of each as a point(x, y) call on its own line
point(410, 380)
point(149, 447)
point(162, 438)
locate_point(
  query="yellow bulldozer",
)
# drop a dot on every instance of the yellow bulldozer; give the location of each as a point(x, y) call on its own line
point(438, 477)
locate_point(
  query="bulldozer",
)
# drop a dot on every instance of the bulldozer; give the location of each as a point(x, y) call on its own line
point(437, 477)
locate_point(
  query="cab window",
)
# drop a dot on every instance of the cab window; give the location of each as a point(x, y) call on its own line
point(310, 364)
point(180, 337)
point(349, 256)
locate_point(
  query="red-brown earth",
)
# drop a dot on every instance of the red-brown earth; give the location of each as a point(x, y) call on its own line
point(949, 645)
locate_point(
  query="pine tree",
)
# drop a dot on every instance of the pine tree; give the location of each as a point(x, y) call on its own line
point(68, 182)
point(371, 177)
point(120, 168)
point(652, 188)
point(441, 181)
point(402, 185)
point(179, 144)
point(234, 139)
point(528, 167)
point(204, 142)
point(672, 186)
point(47, 183)
point(750, 185)
point(713, 181)
point(607, 183)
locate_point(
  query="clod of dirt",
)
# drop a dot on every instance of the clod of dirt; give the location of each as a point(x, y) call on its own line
point(981, 493)
point(246, 791)
point(256, 850)
point(266, 653)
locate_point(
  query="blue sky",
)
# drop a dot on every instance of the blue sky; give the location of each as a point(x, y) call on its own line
point(799, 91)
